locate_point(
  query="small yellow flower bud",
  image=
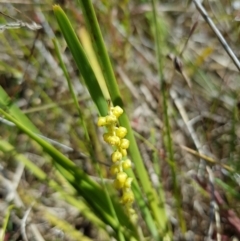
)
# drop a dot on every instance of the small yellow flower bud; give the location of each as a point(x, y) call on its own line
point(123, 151)
point(121, 132)
point(116, 156)
point(128, 182)
point(127, 197)
point(114, 169)
point(106, 136)
point(117, 184)
point(101, 121)
point(121, 177)
point(124, 144)
point(111, 119)
point(111, 140)
point(117, 111)
point(126, 164)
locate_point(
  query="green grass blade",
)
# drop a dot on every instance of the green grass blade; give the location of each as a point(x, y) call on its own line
point(81, 60)
point(7, 148)
point(5, 223)
point(229, 189)
point(155, 203)
point(65, 227)
point(103, 58)
point(74, 97)
point(168, 142)
point(147, 216)
point(7, 103)
point(120, 235)
point(114, 92)
point(93, 60)
point(86, 187)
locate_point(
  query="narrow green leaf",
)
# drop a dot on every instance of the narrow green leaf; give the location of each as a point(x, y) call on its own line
point(100, 49)
point(167, 131)
point(5, 222)
point(7, 104)
point(7, 148)
point(81, 60)
point(85, 186)
point(108, 200)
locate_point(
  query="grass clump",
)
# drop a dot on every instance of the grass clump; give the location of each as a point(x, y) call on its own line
point(164, 165)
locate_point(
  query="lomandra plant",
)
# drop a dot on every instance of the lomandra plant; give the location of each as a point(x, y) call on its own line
point(150, 203)
point(136, 200)
point(116, 196)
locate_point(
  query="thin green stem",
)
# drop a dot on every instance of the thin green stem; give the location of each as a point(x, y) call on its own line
point(168, 143)
point(74, 97)
point(109, 202)
point(85, 186)
point(100, 49)
point(81, 60)
point(102, 54)
point(5, 222)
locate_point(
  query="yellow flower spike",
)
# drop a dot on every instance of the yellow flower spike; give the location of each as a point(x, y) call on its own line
point(127, 164)
point(121, 132)
point(116, 156)
point(115, 137)
point(101, 121)
point(117, 111)
point(111, 119)
point(124, 144)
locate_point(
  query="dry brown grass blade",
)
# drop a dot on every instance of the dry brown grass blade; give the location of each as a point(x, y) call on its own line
point(207, 158)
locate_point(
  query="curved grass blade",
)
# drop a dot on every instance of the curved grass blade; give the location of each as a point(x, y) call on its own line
point(5, 222)
point(102, 55)
point(7, 148)
point(155, 204)
point(85, 186)
point(7, 104)
point(168, 142)
point(81, 60)
point(93, 60)
point(121, 237)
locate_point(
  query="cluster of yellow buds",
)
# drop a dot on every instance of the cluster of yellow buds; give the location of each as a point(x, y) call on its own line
point(115, 137)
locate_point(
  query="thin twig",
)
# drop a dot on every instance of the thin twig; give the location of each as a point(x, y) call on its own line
point(221, 39)
point(24, 222)
point(32, 26)
point(18, 24)
point(215, 208)
point(56, 143)
point(13, 195)
point(207, 158)
point(190, 128)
